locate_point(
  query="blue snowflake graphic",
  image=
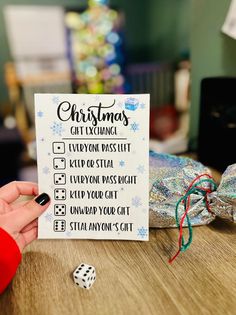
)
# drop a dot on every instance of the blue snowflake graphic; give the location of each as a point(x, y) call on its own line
point(97, 97)
point(68, 233)
point(142, 232)
point(57, 129)
point(40, 114)
point(136, 202)
point(56, 100)
point(142, 106)
point(48, 217)
point(122, 163)
point(134, 127)
point(141, 169)
point(46, 170)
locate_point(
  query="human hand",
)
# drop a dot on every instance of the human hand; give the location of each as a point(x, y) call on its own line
point(20, 219)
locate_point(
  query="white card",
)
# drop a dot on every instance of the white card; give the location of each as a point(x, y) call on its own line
point(229, 27)
point(93, 161)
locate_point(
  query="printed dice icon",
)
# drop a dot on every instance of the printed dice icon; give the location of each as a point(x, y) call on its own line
point(59, 209)
point(58, 147)
point(59, 163)
point(84, 276)
point(59, 179)
point(59, 226)
point(60, 194)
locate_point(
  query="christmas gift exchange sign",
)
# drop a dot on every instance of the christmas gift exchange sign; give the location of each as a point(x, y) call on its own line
point(93, 161)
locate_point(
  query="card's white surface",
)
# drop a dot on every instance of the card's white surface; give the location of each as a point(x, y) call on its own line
point(95, 171)
point(229, 27)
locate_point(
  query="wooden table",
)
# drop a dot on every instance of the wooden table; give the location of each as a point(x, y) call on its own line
point(132, 277)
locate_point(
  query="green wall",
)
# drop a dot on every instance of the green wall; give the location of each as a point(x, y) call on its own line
point(155, 29)
point(168, 29)
point(212, 52)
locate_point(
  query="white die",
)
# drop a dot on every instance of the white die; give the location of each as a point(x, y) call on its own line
point(84, 276)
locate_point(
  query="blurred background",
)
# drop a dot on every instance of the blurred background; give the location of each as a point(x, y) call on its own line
point(173, 49)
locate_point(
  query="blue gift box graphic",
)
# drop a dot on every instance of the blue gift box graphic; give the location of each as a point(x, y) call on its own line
point(131, 103)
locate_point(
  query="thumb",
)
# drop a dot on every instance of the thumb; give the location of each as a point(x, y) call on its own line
point(29, 211)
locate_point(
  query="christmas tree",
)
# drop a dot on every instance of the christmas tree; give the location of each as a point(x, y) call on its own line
point(96, 49)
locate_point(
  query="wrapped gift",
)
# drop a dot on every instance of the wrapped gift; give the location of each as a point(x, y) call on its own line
point(131, 103)
point(169, 180)
point(183, 193)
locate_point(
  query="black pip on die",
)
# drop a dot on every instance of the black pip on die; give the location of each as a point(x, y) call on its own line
point(84, 276)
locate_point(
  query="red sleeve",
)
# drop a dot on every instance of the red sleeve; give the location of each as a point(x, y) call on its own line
point(10, 257)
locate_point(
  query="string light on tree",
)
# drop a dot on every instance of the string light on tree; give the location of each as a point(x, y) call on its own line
point(96, 49)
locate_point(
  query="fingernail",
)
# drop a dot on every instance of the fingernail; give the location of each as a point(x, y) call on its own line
point(42, 199)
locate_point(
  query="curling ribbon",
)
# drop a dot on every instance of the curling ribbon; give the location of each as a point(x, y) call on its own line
point(194, 187)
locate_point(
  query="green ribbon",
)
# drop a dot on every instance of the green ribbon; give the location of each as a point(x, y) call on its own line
point(194, 189)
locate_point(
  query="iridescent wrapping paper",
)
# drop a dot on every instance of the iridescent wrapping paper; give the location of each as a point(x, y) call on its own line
point(224, 199)
point(169, 179)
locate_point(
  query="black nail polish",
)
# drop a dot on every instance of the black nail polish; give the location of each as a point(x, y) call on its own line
point(42, 199)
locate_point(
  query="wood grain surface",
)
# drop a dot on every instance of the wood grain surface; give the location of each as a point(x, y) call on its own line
point(132, 277)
